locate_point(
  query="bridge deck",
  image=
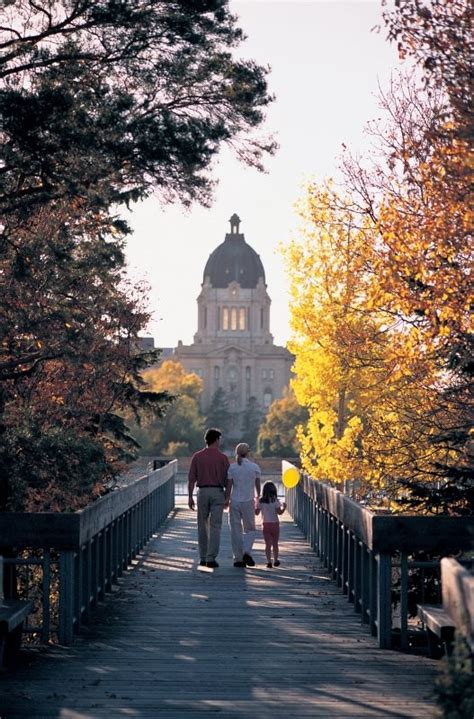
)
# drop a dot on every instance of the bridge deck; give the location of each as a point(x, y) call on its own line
point(177, 643)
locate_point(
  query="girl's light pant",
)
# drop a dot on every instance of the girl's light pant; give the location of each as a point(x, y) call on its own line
point(242, 528)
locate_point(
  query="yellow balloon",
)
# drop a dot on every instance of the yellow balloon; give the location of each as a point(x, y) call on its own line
point(291, 477)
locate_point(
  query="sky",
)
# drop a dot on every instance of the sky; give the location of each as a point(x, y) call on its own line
point(327, 64)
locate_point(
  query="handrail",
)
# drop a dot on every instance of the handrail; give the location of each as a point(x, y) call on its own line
point(361, 548)
point(457, 584)
point(91, 547)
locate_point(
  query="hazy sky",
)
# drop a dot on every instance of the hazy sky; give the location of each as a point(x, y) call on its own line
point(326, 65)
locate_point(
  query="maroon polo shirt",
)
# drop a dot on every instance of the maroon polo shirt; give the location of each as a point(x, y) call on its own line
point(208, 468)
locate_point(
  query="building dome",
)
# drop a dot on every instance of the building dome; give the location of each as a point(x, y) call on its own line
point(234, 261)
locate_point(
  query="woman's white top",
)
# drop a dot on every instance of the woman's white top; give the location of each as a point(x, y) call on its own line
point(243, 477)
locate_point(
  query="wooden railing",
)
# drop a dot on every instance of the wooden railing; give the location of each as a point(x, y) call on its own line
point(458, 598)
point(68, 562)
point(366, 552)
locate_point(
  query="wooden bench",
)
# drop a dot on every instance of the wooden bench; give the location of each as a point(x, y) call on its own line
point(457, 586)
point(13, 613)
point(439, 628)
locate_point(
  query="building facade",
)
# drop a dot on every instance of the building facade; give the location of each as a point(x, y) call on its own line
point(233, 349)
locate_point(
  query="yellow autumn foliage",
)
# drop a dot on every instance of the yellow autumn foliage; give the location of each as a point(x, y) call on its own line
point(367, 373)
point(424, 266)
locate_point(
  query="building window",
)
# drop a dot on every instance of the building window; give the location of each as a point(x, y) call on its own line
point(267, 398)
point(247, 373)
point(261, 318)
point(233, 319)
point(271, 374)
point(205, 317)
point(225, 318)
point(264, 374)
point(242, 314)
point(232, 374)
point(216, 373)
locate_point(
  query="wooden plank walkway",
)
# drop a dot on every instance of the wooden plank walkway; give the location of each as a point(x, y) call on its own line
point(177, 643)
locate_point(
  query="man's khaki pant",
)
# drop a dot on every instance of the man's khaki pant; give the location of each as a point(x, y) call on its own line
point(242, 515)
point(210, 506)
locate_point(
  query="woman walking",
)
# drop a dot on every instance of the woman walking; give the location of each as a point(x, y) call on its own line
point(244, 484)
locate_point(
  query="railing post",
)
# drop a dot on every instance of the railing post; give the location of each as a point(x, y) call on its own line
point(320, 530)
point(101, 548)
point(364, 579)
point(129, 537)
point(79, 579)
point(95, 557)
point(350, 566)
point(344, 559)
point(87, 580)
point(316, 527)
point(325, 537)
point(384, 600)
point(404, 601)
point(66, 597)
point(109, 566)
point(357, 574)
point(372, 593)
point(46, 592)
point(120, 544)
point(330, 545)
point(339, 554)
point(333, 547)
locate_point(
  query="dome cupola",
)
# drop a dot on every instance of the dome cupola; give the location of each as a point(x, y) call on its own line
point(234, 261)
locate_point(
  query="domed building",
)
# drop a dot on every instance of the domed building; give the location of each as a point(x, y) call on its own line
point(233, 350)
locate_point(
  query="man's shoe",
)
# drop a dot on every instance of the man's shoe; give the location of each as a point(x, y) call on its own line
point(269, 565)
point(276, 563)
point(239, 564)
point(212, 564)
point(248, 560)
point(202, 563)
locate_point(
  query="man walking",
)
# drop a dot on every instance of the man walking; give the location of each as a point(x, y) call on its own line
point(208, 471)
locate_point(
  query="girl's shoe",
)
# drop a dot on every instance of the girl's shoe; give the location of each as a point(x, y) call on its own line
point(276, 563)
point(269, 565)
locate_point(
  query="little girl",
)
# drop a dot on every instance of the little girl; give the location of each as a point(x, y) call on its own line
point(270, 507)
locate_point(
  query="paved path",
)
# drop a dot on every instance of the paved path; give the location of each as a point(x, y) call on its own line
point(177, 643)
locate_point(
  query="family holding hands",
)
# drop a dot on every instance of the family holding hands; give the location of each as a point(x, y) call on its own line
point(237, 486)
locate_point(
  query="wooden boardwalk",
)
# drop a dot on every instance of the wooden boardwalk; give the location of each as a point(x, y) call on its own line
point(177, 643)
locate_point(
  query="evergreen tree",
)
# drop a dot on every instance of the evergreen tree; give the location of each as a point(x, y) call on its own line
point(219, 414)
point(251, 421)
